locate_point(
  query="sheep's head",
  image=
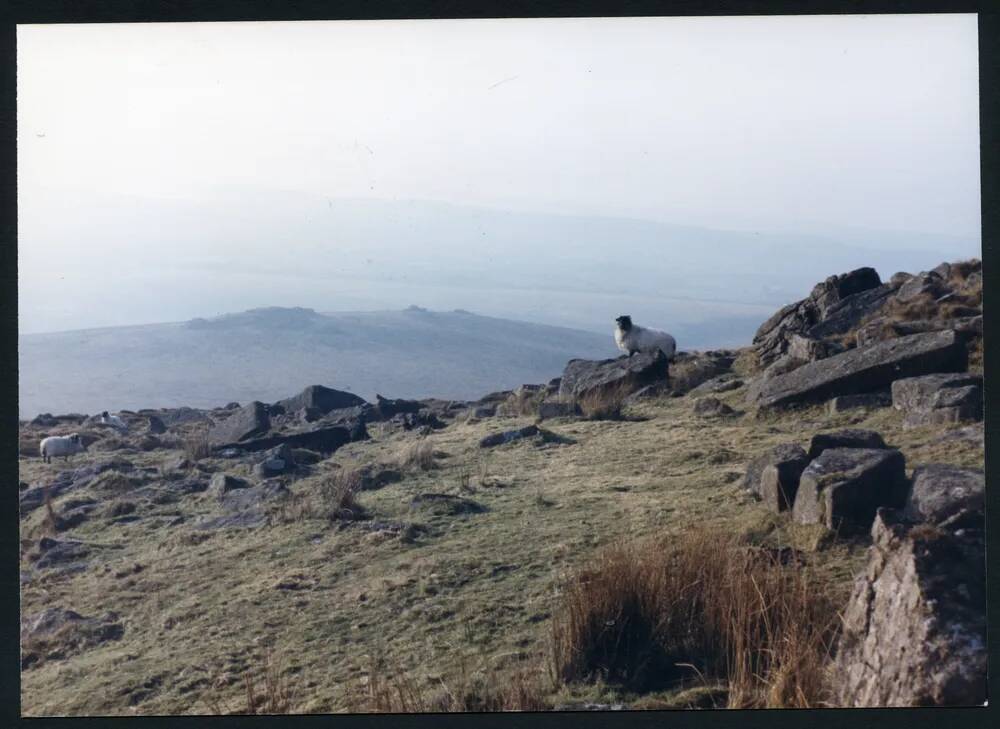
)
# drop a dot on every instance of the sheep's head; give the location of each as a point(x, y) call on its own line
point(78, 441)
point(624, 322)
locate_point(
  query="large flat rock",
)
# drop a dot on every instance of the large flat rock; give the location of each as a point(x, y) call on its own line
point(624, 374)
point(320, 398)
point(249, 421)
point(939, 399)
point(863, 370)
point(843, 488)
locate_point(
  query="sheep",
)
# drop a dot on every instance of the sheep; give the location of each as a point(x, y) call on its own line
point(114, 421)
point(61, 445)
point(632, 338)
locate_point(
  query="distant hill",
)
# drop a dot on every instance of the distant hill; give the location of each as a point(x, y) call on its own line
point(270, 353)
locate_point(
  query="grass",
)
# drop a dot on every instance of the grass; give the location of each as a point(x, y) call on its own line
point(267, 692)
point(197, 447)
point(522, 403)
point(478, 588)
point(418, 455)
point(338, 495)
point(603, 403)
point(651, 615)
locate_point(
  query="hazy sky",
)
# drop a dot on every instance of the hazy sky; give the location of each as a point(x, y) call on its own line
point(783, 123)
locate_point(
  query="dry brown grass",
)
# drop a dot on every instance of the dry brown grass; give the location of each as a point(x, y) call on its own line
point(657, 614)
point(605, 403)
point(197, 447)
point(338, 495)
point(747, 363)
point(418, 455)
point(267, 692)
point(523, 403)
point(484, 690)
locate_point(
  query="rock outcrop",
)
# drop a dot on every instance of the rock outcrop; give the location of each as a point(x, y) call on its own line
point(835, 306)
point(864, 370)
point(914, 631)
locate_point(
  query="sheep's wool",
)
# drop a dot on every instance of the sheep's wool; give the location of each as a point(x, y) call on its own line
point(640, 339)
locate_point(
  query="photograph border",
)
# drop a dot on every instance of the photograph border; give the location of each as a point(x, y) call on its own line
point(120, 11)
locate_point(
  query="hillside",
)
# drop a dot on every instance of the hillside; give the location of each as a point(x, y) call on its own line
point(265, 354)
point(583, 544)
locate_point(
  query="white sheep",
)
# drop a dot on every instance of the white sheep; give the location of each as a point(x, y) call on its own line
point(61, 445)
point(632, 338)
point(114, 421)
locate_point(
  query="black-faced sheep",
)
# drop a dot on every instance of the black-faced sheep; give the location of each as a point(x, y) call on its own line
point(631, 338)
point(114, 421)
point(61, 445)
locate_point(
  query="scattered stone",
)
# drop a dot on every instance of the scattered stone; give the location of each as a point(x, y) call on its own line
point(508, 436)
point(253, 498)
point(899, 278)
point(929, 283)
point(240, 520)
point(847, 438)
point(483, 411)
point(375, 476)
point(320, 437)
point(843, 487)
point(941, 491)
point(446, 504)
point(66, 481)
point(866, 400)
point(649, 392)
point(711, 407)
point(938, 399)
point(57, 552)
point(275, 462)
point(779, 482)
point(557, 409)
point(247, 422)
point(914, 631)
point(222, 483)
point(323, 399)
point(422, 419)
point(863, 370)
point(721, 383)
point(693, 369)
point(624, 374)
point(58, 633)
point(780, 454)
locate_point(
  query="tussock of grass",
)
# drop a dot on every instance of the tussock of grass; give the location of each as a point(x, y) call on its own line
point(522, 403)
point(338, 495)
point(652, 615)
point(418, 455)
point(606, 403)
point(197, 447)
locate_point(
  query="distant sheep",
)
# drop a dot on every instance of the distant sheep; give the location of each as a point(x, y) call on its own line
point(61, 445)
point(631, 338)
point(114, 421)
